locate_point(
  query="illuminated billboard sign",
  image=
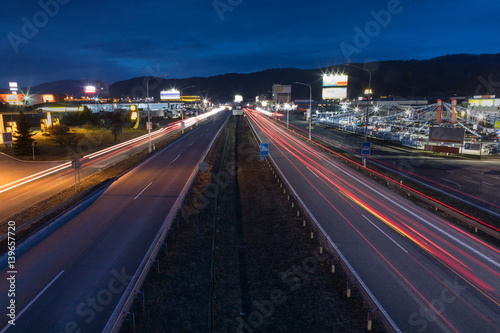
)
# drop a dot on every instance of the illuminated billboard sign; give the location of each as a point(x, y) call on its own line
point(281, 89)
point(90, 90)
point(334, 93)
point(13, 98)
point(334, 80)
point(13, 86)
point(238, 98)
point(481, 102)
point(170, 94)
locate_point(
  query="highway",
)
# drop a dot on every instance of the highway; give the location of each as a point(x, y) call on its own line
point(427, 274)
point(474, 181)
point(22, 193)
point(71, 276)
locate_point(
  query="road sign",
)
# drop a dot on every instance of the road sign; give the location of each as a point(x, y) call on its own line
point(264, 150)
point(466, 145)
point(365, 148)
point(7, 139)
point(76, 164)
point(204, 166)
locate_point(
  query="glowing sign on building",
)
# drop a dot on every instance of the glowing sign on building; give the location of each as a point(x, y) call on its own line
point(90, 90)
point(13, 86)
point(170, 94)
point(335, 93)
point(330, 80)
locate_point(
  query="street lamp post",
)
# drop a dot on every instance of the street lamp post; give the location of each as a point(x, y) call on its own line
point(369, 91)
point(149, 125)
point(149, 114)
point(287, 115)
point(201, 101)
point(182, 112)
point(310, 105)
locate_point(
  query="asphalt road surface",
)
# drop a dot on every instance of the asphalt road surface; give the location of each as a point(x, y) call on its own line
point(60, 176)
point(71, 277)
point(474, 181)
point(428, 275)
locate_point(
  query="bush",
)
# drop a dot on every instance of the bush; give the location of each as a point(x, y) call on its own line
point(58, 129)
point(63, 137)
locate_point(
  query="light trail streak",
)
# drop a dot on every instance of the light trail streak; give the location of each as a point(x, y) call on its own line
point(460, 262)
point(101, 155)
point(395, 167)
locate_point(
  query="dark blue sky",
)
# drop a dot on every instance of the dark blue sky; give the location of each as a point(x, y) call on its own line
point(115, 40)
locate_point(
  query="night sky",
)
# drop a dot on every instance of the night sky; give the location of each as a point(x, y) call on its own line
point(114, 40)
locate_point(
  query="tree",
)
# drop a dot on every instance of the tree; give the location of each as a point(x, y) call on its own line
point(23, 137)
point(114, 122)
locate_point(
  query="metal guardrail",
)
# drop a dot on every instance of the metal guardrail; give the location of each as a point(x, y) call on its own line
point(71, 203)
point(434, 203)
point(376, 308)
point(438, 205)
point(124, 305)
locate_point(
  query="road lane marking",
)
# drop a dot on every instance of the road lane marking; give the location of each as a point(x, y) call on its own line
point(143, 190)
point(442, 231)
point(449, 181)
point(402, 248)
point(175, 159)
point(489, 184)
point(191, 144)
point(466, 177)
point(33, 301)
point(415, 215)
point(450, 171)
point(314, 173)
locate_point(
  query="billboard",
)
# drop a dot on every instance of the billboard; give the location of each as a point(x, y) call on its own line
point(238, 98)
point(170, 94)
point(13, 86)
point(281, 89)
point(481, 102)
point(13, 98)
point(447, 134)
point(90, 90)
point(334, 80)
point(334, 93)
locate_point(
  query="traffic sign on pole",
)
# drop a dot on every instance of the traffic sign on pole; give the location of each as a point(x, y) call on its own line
point(264, 150)
point(365, 148)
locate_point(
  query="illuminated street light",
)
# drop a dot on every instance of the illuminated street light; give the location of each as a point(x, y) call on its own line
point(369, 93)
point(310, 105)
point(149, 125)
point(182, 111)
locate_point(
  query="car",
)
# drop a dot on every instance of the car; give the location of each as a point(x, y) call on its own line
point(491, 148)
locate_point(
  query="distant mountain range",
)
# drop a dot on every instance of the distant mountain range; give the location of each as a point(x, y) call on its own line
point(445, 76)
